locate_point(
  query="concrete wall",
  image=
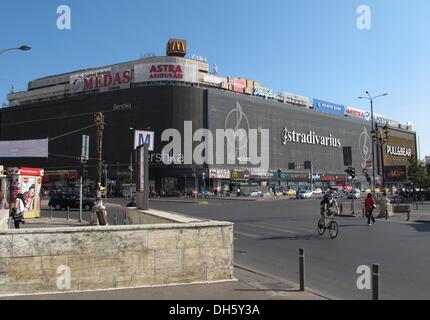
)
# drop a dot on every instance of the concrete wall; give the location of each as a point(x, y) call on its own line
point(4, 216)
point(114, 257)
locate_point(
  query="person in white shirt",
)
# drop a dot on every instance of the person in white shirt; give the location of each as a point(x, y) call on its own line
point(18, 215)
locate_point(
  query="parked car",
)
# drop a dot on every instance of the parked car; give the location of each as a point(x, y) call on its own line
point(291, 193)
point(62, 201)
point(318, 192)
point(256, 193)
point(356, 194)
point(304, 194)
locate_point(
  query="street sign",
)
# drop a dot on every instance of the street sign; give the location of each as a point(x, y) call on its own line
point(85, 155)
point(144, 137)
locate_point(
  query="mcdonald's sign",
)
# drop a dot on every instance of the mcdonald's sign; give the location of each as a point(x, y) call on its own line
point(176, 47)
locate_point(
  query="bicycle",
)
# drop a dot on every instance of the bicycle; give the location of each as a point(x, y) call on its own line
point(332, 226)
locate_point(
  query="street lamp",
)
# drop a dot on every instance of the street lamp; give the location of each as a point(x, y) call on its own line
point(369, 97)
point(22, 48)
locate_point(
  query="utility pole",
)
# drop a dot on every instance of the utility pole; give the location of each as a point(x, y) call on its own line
point(99, 121)
point(106, 181)
point(131, 175)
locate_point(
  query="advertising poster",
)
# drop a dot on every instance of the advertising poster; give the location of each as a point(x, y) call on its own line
point(28, 181)
point(329, 107)
point(168, 71)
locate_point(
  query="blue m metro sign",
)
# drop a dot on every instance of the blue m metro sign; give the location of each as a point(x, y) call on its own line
point(144, 137)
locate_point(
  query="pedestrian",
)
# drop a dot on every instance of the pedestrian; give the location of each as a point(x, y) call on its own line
point(369, 206)
point(18, 211)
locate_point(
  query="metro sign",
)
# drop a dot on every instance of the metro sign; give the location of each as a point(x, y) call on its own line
point(144, 137)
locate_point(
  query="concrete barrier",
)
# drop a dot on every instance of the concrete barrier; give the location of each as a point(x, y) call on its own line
point(4, 218)
point(87, 258)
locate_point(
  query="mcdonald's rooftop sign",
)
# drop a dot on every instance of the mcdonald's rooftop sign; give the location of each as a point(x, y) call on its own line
point(176, 47)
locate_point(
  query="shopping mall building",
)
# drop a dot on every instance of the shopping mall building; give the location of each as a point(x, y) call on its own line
point(300, 139)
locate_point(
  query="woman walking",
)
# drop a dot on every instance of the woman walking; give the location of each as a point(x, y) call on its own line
point(370, 206)
point(18, 215)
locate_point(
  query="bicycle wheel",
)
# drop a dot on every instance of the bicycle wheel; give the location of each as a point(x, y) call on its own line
point(333, 229)
point(321, 226)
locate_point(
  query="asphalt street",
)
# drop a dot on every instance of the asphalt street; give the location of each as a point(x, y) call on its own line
point(269, 234)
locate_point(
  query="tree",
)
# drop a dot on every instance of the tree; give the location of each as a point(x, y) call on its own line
point(418, 175)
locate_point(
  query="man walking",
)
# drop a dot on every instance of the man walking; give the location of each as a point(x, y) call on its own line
point(370, 205)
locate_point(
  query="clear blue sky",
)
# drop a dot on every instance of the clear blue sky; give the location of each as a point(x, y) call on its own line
point(308, 47)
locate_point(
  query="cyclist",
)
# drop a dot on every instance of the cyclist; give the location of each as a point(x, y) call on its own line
point(329, 202)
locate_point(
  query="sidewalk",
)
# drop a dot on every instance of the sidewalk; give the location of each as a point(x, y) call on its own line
point(248, 286)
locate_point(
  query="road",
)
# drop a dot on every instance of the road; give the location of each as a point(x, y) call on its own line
point(269, 234)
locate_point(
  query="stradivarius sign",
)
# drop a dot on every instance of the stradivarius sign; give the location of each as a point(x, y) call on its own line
point(310, 137)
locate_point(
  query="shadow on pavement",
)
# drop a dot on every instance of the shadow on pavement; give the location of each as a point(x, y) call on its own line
point(424, 226)
point(297, 237)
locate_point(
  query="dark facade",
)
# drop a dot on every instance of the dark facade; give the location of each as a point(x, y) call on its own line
point(156, 108)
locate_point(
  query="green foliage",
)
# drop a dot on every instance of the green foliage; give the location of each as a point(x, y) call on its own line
point(419, 175)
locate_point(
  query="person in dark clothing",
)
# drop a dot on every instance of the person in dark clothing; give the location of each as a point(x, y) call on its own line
point(19, 210)
point(370, 205)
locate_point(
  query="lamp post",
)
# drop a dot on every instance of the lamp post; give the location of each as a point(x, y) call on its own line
point(369, 97)
point(22, 48)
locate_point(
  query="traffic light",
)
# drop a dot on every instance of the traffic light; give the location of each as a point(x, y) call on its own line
point(351, 172)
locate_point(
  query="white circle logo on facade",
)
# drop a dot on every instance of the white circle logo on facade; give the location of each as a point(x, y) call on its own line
point(237, 121)
point(365, 146)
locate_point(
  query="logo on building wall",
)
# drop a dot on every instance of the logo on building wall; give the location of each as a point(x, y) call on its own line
point(177, 48)
point(310, 137)
point(365, 146)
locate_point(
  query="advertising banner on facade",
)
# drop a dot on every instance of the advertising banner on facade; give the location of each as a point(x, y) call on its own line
point(355, 113)
point(24, 149)
point(169, 71)
point(378, 118)
point(101, 79)
point(329, 107)
point(297, 100)
point(212, 79)
point(395, 173)
point(399, 149)
point(266, 93)
point(27, 181)
point(237, 85)
point(219, 174)
point(239, 175)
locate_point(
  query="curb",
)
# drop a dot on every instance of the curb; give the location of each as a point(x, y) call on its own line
point(288, 282)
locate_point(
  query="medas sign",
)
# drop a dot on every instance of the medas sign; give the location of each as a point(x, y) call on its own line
point(310, 137)
point(101, 79)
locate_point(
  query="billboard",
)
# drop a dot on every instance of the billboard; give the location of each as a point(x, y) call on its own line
point(237, 85)
point(24, 149)
point(395, 173)
point(355, 113)
point(101, 79)
point(28, 181)
point(297, 100)
point(329, 107)
point(149, 72)
point(399, 149)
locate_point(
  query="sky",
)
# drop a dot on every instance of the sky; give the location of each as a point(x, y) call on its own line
point(309, 47)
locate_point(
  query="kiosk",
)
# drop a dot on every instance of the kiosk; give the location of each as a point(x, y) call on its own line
point(27, 181)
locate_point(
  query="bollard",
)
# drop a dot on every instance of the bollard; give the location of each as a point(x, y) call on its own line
point(375, 281)
point(364, 213)
point(409, 215)
point(68, 212)
point(50, 209)
point(341, 208)
point(302, 268)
